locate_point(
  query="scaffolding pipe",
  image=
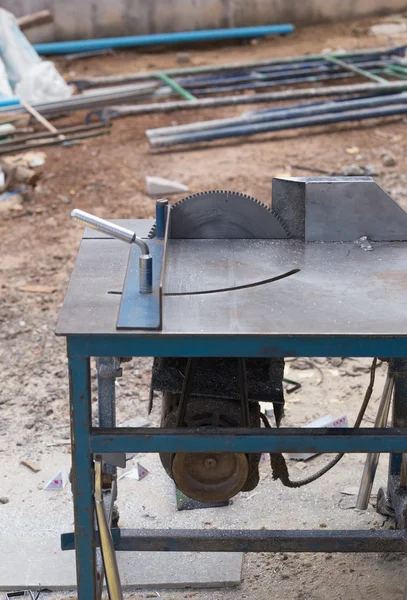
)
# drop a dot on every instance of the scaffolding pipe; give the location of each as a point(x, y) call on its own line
point(280, 114)
point(257, 128)
point(235, 66)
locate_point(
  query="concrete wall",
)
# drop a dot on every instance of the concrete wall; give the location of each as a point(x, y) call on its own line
point(76, 19)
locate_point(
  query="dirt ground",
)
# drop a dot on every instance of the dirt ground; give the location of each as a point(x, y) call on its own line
point(106, 176)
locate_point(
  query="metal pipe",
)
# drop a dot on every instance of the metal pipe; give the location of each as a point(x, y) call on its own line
point(51, 141)
point(86, 101)
point(372, 459)
point(262, 85)
point(116, 231)
point(178, 72)
point(180, 37)
point(113, 112)
point(106, 543)
point(175, 86)
point(277, 74)
point(280, 114)
point(17, 138)
point(257, 128)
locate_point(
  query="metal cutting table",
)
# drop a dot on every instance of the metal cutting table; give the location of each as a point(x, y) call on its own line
point(240, 297)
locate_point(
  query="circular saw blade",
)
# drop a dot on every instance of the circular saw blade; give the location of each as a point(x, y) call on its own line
point(222, 214)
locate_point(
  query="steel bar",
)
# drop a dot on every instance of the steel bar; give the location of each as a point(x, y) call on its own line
point(113, 112)
point(106, 100)
point(181, 540)
point(108, 500)
point(52, 142)
point(179, 72)
point(175, 86)
point(275, 74)
point(261, 85)
point(144, 89)
point(355, 69)
point(247, 540)
point(249, 440)
point(280, 114)
point(372, 459)
point(108, 369)
point(44, 134)
point(180, 37)
point(258, 128)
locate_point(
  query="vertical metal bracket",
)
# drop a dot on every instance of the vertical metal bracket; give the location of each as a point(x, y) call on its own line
point(138, 310)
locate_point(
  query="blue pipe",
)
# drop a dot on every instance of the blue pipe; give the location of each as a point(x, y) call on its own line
point(162, 38)
point(13, 101)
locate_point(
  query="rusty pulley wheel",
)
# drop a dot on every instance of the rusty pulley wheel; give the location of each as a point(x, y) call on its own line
point(211, 476)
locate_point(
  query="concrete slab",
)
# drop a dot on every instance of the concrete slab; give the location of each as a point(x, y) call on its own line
point(32, 563)
point(33, 520)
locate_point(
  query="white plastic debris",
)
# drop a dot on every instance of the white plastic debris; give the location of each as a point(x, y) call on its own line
point(137, 472)
point(327, 421)
point(42, 83)
point(31, 78)
point(158, 186)
point(58, 482)
point(5, 87)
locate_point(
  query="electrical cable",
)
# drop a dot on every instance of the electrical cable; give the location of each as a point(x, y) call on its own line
point(277, 460)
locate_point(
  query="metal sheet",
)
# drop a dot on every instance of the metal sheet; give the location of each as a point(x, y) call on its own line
point(340, 289)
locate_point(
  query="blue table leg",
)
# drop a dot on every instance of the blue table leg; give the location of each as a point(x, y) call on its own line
point(82, 475)
point(398, 495)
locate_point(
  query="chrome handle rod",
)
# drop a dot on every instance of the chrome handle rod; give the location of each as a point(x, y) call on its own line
point(125, 235)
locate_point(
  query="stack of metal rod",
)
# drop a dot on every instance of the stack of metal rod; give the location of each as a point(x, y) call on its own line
point(277, 119)
point(383, 68)
point(20, 141)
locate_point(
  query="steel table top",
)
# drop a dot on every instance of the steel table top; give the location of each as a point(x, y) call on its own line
point(339, 290)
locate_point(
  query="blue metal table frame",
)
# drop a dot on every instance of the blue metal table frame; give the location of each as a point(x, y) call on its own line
point(87, 441)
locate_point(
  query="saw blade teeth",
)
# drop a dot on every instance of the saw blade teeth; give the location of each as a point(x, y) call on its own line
point(153, 232)
point(232, 193)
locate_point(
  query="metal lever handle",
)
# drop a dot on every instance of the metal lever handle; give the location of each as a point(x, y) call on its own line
point(125, 235)
point(114, 587)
